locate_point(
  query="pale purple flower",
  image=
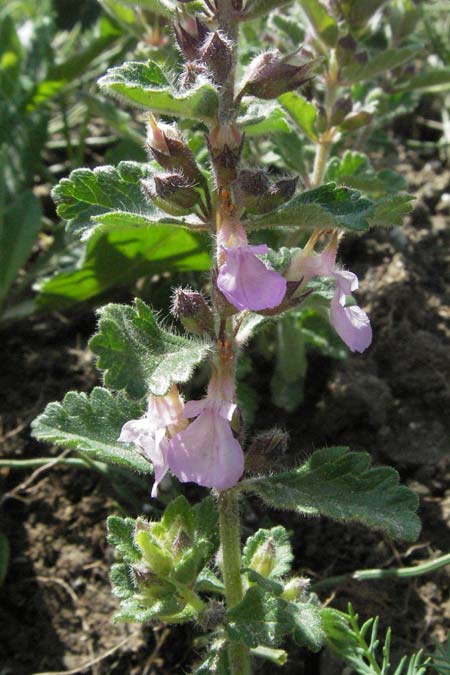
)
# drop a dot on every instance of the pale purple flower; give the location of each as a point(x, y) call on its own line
point(164, 417)
point(351, 323)
point(206, 452)
point(243, 278)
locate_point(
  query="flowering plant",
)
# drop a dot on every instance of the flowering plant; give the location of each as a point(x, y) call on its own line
point(189, 565)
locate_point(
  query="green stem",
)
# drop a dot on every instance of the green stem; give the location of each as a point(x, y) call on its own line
point(42, 461)
point(390, 573)
point(238, 654)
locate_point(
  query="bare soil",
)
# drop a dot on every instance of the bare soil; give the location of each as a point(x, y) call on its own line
point(394, 401)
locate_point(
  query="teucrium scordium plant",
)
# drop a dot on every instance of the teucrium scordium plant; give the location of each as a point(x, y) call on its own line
point(189, 566)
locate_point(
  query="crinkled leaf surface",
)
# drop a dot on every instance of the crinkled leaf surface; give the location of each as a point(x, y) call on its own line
point(145, 85)
point(390, 210)
point(340, 484)
point(326, 206)
point(121, 533)
point(120, 257)
point(91, 425)
point(353, 170)
point(106, 198)
point(262, 618)
point(139, 356)
point(273, 544)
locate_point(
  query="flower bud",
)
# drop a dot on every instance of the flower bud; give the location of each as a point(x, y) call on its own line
point(264, 559)
point(158, 561)
point(264, 448)
point(345, 49)
point(172, 192)
point(271, 74)
point(249, 189)
point(341, 109)
point(181, 542)
point(225, 147)
point(217, 55)
point(296, 589)
point(356, 119)
point(191, 308)
point(171, 152)
point(254, 193)
point(190, 33)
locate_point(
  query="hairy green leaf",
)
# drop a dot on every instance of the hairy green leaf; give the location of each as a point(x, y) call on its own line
point(145, 85)
point(91, 425)
point(121, 535)
point(139, 356)
point(264, 619)
point(107, 198)
point(256, 8)
point(303, 112)
point(341, 485)
point(390, 210)
point(269, 552)
point(378, 64)
point(353, 170)
point(326, 207)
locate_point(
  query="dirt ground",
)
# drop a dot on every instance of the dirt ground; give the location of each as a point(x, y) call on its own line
point(394, 401)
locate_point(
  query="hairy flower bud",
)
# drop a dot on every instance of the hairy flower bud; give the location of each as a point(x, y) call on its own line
point(254, 193)
point(190, 33)
point(191, 308)
point(172, 192)
point(296, 589)
point(266, 447)
point(225, 147)
point(272, 74)
point(264, 559)
point(171, 152)
point(158, 561)
point(216, 53)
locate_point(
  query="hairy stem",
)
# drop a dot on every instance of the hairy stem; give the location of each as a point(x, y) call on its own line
point(325, 142)
point(238, 654)
point(228, 25)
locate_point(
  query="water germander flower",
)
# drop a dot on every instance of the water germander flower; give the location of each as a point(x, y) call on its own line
point(207, 453)
point(351, 323)
point(243, 278)
point(151, 432)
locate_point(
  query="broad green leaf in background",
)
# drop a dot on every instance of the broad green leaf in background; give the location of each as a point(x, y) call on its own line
point(341, 485)
point(4, 557)
point(255, 8)
point(216, 661)
point(264, 120)
point(302, 111)
point(323, 25)
point(145, 85)
point(137, 355)
point(433, 81)
point(261, 618)
point(291, 364)
point(120, 257)
point(358, 13)
point(326, 207)
point(91, 425)
point(107, 198)
point(378, 64)
point(269, 552)
point(20, 223)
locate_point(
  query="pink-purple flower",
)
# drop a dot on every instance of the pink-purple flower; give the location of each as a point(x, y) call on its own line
point(243, 278)
point(151, 433)
point(204, 452)
point(351, 323)
point(207, 452)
